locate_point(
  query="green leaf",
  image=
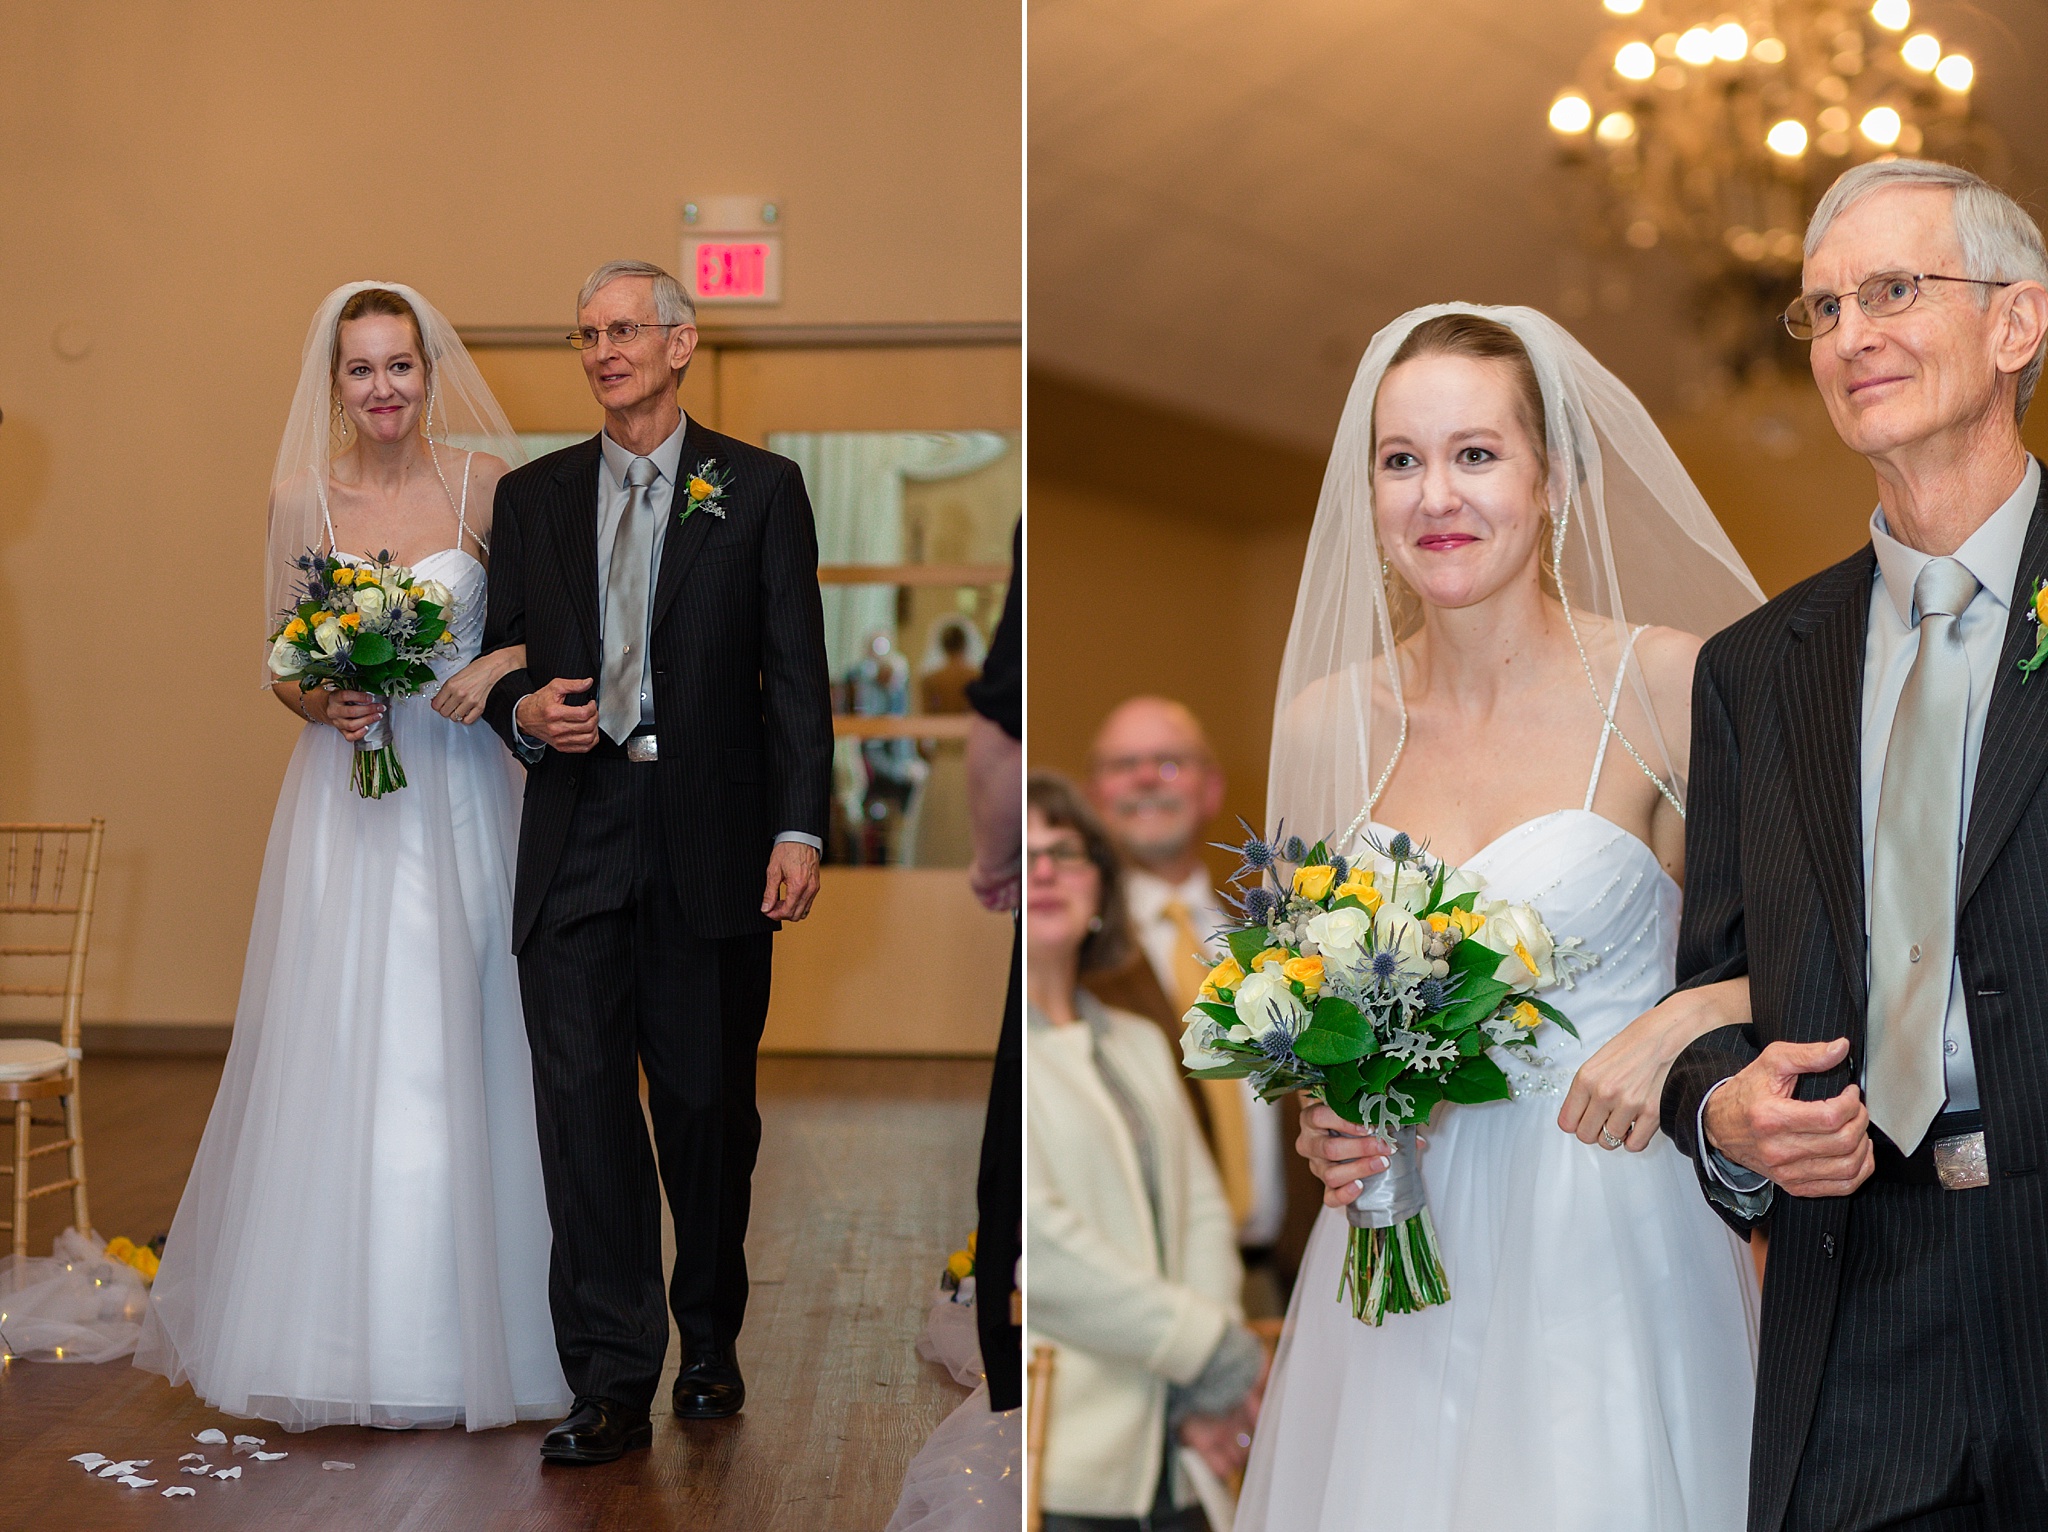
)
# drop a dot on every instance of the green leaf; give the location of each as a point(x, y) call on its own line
point(1333, 1014)
point(1470, 1042)
point(1464, 901)
point(1476, 1001)
point(1321, 1047)
point(1436, 890)
point(1427, 1094)
point(1216, 1012)
point(1477, 1079)
point(1247, 944)
point(1342, 1089)
point(1348, 902)
point(1375, 1075)
point(1221, 1072)
point(1551, 1013)
point(1474, 958)
point(371, 649)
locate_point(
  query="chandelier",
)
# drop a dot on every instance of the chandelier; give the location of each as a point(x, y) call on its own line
point(1714, 137)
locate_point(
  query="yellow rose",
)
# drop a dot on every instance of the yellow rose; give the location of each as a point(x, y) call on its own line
point(1466, 921)
point(960, 1264)
point(120, 1247)
point(1438, 923)
point(1313, 882)
point(2041, 604)
point(1305, 971)
point(322, 616)
point(296, 628)
point(972, 1236)
point(351, 619)
point(699, 489)
point(344, 576)
point(1225, 975)
point(1269, 956)
point(1526, 1016)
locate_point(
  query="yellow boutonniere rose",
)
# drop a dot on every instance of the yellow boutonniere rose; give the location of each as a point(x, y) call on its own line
point(1313, 882)
point(698, 488)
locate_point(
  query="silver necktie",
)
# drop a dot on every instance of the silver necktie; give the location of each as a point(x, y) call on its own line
point(1913, 867)
point(625, 608)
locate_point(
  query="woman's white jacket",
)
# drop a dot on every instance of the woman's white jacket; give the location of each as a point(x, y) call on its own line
point(1129, 1306)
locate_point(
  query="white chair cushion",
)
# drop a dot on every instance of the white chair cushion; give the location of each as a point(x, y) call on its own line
point(30, 1058)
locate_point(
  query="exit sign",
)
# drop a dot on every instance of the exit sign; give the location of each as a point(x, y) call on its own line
point(734, 268)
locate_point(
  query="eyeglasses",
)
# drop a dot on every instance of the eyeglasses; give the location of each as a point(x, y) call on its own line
point(621, 332)
point(1812, 315)
point(1065, 855)
point(1169, 766)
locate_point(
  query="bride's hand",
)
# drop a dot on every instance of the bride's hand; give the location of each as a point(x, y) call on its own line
point(462, 696)
point(351, 713)
point(1341, 1153)
point(1619, 1091)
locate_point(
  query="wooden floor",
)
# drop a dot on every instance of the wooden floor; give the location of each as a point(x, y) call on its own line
point(866, 1181)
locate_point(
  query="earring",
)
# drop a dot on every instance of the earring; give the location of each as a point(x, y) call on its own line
point(340, 419)
point(427, 425)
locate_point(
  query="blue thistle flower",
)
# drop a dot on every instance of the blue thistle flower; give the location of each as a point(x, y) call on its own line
point(1400, 848)
point(1295, 849)
point(1430, 994)
point(1260, 905)
point(1343, 868)
point(1384, 966)
point(1277, 1044)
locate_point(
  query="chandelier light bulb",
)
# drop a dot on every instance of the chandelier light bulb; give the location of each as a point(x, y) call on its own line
point(1956, 72)
point(1892, 15)
point(1787, 138)
point(1635, 61)
point(1731, 42)
point(1571, 114)
point(1881, 126)
point(1922, 51)
point(1615, 128)
point(1696, 47)
point(1768, 50)
point(1624, 7)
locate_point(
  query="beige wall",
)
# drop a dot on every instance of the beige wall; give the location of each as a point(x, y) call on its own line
point(1146, 577)
point(182, 184)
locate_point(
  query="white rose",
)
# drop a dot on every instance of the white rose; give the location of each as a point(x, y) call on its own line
point(1343, 937)
point(1264, 1001)
point(436, 592)
point(1518, 931)
point(286, 658)
point(1458, 882)
point(1197, 1041)
point(370, 601)
point(1397, 932)
point(328, 636)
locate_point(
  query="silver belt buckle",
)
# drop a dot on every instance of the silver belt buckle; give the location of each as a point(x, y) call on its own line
point(644, 747)
point(1960, 1162)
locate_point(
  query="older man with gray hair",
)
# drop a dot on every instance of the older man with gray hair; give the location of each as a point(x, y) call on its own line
point(675, 718)
point(1868, 842)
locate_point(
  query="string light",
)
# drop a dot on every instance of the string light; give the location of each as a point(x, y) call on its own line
point(1731, 42)
point(1787, 138)
point(1955, 72)
point(1571, 114)
point(1696, 47)
point(1922, 51)
point(1635, 61)
point(1881, 126)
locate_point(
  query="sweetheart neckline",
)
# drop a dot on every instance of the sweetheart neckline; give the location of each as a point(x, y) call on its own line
point(464, 552)
point(1538, 819)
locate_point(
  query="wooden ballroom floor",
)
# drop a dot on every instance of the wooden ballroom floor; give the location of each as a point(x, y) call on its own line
point(866, 1181)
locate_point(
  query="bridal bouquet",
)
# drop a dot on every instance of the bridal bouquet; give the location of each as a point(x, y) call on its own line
point(1381, 987)
point(367, 628)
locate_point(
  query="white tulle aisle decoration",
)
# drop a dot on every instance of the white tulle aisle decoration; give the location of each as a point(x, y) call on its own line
point(73, 1305)
point(969, 1476)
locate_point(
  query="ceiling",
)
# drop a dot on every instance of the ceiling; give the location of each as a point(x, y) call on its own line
point(1227, 197)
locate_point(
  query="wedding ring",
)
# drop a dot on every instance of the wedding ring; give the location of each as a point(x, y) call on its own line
point(1608, 1140)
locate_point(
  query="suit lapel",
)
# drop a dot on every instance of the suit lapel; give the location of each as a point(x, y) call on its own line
point(679, 547)
point(574, 523)
point(1821, 708)
point(2015, 745)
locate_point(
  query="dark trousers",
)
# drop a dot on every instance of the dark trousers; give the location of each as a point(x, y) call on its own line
point(1916, 1427)
point(999, 1206)
point(610, 979)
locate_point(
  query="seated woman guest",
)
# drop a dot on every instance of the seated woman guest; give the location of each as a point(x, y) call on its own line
point(1132, 1268)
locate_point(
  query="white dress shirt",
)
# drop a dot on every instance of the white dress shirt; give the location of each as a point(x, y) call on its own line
point(612, 498)
point(1146, 897)
point(1891, 644)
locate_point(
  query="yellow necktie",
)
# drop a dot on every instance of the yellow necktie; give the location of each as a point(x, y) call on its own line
point(1230, 1140)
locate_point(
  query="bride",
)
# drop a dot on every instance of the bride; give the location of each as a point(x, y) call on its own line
point(1467, 660)
point(363, 1238)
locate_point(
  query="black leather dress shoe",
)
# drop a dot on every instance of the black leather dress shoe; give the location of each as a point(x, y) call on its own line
point(710, 1387)
point(597, 1431)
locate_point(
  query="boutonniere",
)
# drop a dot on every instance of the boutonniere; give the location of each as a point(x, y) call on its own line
point(705, 490)
point(2038, 610)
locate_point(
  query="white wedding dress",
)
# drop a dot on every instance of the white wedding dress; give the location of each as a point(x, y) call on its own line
point(363, 1239)
point(1595, 1366)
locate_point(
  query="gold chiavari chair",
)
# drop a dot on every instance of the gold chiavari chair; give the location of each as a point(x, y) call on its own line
point(50, 875)
point(1037, 1400)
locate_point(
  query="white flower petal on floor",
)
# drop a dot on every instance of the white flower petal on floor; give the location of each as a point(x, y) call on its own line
point(179, 1489)
point(191, 1457)
point(228, 1473)
point(331, 1463)
point(135, 1483)
point(202, 1470)
point(91, 1460)
point(211, 1437)
point(269, 1457)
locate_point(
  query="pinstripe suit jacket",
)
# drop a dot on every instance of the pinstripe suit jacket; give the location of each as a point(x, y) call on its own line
point(741, 694)
point(1774, 889)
